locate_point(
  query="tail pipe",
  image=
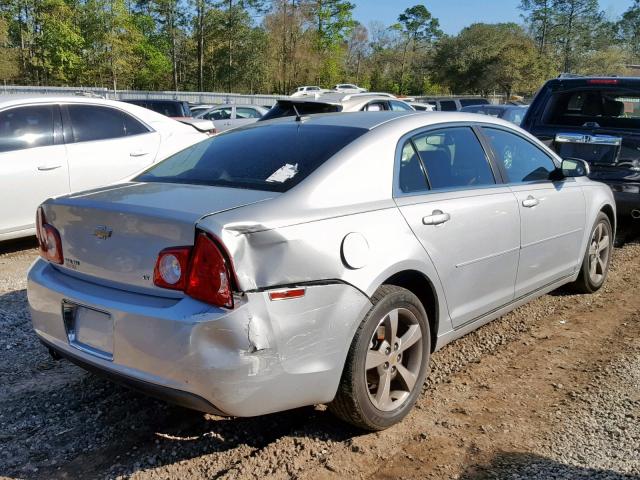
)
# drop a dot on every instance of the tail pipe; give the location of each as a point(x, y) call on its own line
point(635, 213)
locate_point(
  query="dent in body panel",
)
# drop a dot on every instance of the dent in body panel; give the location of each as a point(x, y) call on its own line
point(312, 251)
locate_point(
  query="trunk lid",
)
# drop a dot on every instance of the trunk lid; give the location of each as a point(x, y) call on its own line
point(113, 235)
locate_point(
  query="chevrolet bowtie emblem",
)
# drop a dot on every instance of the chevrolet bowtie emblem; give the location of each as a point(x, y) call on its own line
point(103, 232)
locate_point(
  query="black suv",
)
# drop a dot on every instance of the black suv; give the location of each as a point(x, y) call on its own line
point(598, 120)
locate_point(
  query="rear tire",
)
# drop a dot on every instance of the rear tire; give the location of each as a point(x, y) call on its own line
point(595, 265)
point(387, 362)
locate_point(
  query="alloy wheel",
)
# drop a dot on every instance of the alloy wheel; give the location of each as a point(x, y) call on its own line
point(394, 359)
point(599, 248)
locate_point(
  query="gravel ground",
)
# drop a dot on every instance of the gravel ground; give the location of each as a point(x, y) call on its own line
point(551, 390)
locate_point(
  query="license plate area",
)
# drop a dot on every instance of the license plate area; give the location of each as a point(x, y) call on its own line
point(88, 329)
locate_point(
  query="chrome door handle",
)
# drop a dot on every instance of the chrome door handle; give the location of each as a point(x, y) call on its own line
point(138, 153)
point(530, 202)
point(44, 168)
point(436, 218)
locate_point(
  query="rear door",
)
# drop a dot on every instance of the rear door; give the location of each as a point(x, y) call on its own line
point(105, 145)
point(33, 164)
point(552, 213)
point(467, 221)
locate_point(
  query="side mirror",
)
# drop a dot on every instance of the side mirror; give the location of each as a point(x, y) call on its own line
point(574, 167)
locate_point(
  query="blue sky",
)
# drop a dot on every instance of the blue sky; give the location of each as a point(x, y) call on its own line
point(457, 14)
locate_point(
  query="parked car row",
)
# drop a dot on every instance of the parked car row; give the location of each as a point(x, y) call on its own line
point(51, 146)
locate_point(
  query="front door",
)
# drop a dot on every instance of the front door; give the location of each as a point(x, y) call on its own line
point(467, 223)
point(552, 213)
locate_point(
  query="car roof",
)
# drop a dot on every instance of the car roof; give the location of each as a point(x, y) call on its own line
point(372, 120)
point(491, 105)
point(155, 119)
point(594, 81)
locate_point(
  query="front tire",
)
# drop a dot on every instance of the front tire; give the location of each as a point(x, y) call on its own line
point(595, 265)
point(387, 362)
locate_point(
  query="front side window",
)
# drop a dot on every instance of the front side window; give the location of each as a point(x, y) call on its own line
point(453, 158)
point(90, 122)
point(273, 158)
point(523, 161)
point(26, 127)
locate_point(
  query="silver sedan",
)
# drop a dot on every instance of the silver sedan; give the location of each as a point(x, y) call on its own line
point(226, 117)
point(317, 260)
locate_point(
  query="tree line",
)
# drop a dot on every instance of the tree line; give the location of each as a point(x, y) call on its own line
point(273, 46)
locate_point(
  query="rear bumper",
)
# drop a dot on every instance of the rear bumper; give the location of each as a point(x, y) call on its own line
point(258, 358)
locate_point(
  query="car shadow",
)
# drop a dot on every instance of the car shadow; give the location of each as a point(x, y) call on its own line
point(60, 421)
point(510, 465)
point(12, 246)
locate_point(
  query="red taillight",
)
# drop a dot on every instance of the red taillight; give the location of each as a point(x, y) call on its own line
point(602, 81)
point(201, 272)
point(209, 276)
point(172, 268)
point(49, 242)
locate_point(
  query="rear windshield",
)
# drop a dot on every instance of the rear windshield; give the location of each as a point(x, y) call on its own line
point(273, 158)
point(285, 109)
point(601, 107)
point(166, 108)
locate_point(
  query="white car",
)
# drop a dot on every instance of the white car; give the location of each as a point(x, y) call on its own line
point(51, 146)
point(349, 88)
point(308, 90)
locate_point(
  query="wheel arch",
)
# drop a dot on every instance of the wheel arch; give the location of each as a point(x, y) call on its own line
point(423, 288)
point(610, 213)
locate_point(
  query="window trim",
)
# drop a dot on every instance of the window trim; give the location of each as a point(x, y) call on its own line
point(69, 135)
point(473, 126)
point(503, 172)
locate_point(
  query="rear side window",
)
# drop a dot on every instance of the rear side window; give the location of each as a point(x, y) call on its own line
point(219, 114)
point(375, 106)
point(448, 106)
point(26, 127)
point(246, 112)
point(286, 109)
point(604, 107)
point(523, 161)
point(399, 106)
point(90, 122)
point(411, 177)
point(453, 158)
point(272, 158)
